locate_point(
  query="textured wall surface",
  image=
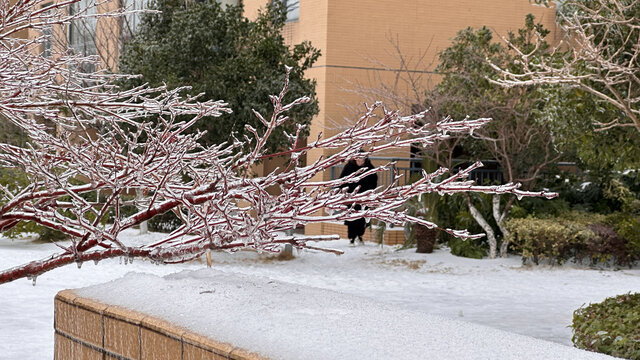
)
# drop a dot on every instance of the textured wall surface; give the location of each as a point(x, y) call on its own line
point(394, 236)
point(88, 330)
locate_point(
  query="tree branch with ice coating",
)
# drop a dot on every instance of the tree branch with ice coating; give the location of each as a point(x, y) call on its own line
point(600, 55)
point(87, 137)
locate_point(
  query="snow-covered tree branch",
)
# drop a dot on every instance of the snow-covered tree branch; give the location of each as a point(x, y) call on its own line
point(600, 55)
point(87, 137)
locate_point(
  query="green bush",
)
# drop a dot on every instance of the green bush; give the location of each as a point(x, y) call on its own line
point(466, 248)
point(628, 227)
point(539, 207)
point(610, 327)
point(14, 180)
point(45, 234)
point(547, 239)
point(166, 222)
point(453, 213)
point(577, 236)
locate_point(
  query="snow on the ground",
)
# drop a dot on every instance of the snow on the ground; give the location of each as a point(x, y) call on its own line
point(531, 300)
point(26, 311)
point(537, 301)
point(286, 321)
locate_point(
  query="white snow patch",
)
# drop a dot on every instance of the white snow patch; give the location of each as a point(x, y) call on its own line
point(286, 321)
point(584, 185)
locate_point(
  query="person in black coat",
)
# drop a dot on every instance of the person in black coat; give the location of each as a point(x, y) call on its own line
point(355, 228)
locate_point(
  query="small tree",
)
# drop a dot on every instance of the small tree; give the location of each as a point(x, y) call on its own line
point(231, 57)
point(106, 142)
point(518, 140)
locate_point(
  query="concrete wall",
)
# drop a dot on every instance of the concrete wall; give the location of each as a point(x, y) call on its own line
point(89, 330)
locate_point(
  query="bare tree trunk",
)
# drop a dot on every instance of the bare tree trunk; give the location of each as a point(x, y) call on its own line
point(499, 217)
point(144, 227)
point(491, 236)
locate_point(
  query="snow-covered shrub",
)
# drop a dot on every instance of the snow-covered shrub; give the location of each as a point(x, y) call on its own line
point(610, 327)
point(576, 236)
point(166, 222)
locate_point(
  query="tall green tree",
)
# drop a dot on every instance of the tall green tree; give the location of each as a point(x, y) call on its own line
point(516, 137)
point(218, 52)
point(591, 84)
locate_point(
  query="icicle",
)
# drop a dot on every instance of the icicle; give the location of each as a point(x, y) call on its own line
point(33, 280)
point(120, 260)
point(96, 261)
point(79, 263)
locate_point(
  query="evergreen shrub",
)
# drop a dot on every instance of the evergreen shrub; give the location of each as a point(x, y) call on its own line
point(466, 248)
point(628, 227)
point(610, 327)
point(577, 236)
point(13, 180)
point(166, 222)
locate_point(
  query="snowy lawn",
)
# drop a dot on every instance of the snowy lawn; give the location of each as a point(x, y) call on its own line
point(535, 301)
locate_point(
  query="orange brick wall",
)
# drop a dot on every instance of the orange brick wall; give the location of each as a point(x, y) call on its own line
point(88, 330)
point(354, 38)
point(394, 236)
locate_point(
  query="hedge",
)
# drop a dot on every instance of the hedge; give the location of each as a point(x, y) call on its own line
point(577, 236)
point(610, 327)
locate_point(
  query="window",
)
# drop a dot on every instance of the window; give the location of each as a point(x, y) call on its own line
point(293, 9)
point(132, 21)
point(82, 32)
point(47, 33)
